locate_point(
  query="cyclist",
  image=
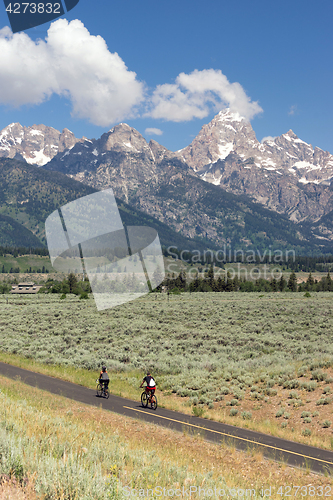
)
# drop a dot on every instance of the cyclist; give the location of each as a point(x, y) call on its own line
point(104, 378)
point(150, 384)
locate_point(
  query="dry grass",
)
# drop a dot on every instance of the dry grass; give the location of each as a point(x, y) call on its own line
point(10, 489)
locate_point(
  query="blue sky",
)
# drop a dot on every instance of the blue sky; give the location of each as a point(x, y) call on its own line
point(178, 64)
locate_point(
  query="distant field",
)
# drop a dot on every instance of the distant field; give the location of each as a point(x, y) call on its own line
point(241, 357)
point(248, 271)
point(25, 262)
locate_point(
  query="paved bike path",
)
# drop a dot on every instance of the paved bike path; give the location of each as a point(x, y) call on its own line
point(295, 454)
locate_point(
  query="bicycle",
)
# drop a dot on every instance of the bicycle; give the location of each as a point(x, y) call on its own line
point(102, 391)
point(151, 399)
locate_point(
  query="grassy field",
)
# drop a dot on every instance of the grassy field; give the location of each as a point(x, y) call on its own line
point(263, 361)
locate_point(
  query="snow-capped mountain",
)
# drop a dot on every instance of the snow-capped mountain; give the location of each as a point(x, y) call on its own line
point(121, 158)
point(230, 133)
point(284, 173)
point(36, 145)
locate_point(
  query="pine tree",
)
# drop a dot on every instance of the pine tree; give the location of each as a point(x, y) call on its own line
point(282, 283)
point(292, 282)
point(329, 282)
point(211, 277)
point(72, 282)
point(309, 283)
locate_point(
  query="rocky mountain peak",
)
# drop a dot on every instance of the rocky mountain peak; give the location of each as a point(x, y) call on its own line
point(124, 138)
point(228, 115)
point(67, 140)
point(36, 144)
point(160, 152)
point(227, 132)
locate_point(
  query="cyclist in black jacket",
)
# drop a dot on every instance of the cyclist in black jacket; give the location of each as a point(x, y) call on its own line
point(150, 384)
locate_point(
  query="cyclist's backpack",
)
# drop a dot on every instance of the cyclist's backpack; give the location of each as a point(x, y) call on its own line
point(151, 382)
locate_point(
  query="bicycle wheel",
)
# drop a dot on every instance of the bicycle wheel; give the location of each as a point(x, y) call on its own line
point(153, 403)
point(106, 394)
point(99, 390)
point(144, 399)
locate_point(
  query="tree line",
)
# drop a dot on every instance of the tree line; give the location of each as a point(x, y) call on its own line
point(209, 283)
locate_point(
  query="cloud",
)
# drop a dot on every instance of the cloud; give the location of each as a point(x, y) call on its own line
point(268, 138)
point(293, 110)
point(196, 94)
point(153, 131)
point(72, 63)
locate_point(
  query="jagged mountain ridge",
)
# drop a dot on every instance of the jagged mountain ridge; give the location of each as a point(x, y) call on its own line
point(158, 182)
point(284, 174)
point(229, 132)
point(36, 145)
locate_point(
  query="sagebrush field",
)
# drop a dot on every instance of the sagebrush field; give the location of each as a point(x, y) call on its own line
point(263, 361)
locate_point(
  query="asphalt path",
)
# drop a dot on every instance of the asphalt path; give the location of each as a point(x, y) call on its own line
point(294, 454)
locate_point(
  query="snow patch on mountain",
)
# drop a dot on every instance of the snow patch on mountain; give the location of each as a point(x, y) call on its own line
point(225, 150)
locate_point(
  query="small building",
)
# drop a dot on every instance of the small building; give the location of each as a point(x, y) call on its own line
point(25, 288)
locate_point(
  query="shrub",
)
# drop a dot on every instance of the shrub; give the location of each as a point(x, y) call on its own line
point(307, 294)
point(233, 402)
point(279, 413)
point(302, 371)
point(84, 295)
point(198, 411)
point(306, 432)
point(320, 401)
point(327, 423)
point(305, 414)
point(294, 384)
point(286, 415)
point(238, 395)
point(270, 392)
point(284, 424)
point(246, 415)
point(203, 400)
point(225, 390)
point(233, 412)
point(326, 390)
point(307, 420)
point(293, 395)
point(63, 296)
point(211, 405)
point(319, 375)
point(315, 413)
point(309, 386)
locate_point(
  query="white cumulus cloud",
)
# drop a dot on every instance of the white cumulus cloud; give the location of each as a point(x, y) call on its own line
point(268, 138)
point(153, 131)
point(196, 94)
point(72, 63)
